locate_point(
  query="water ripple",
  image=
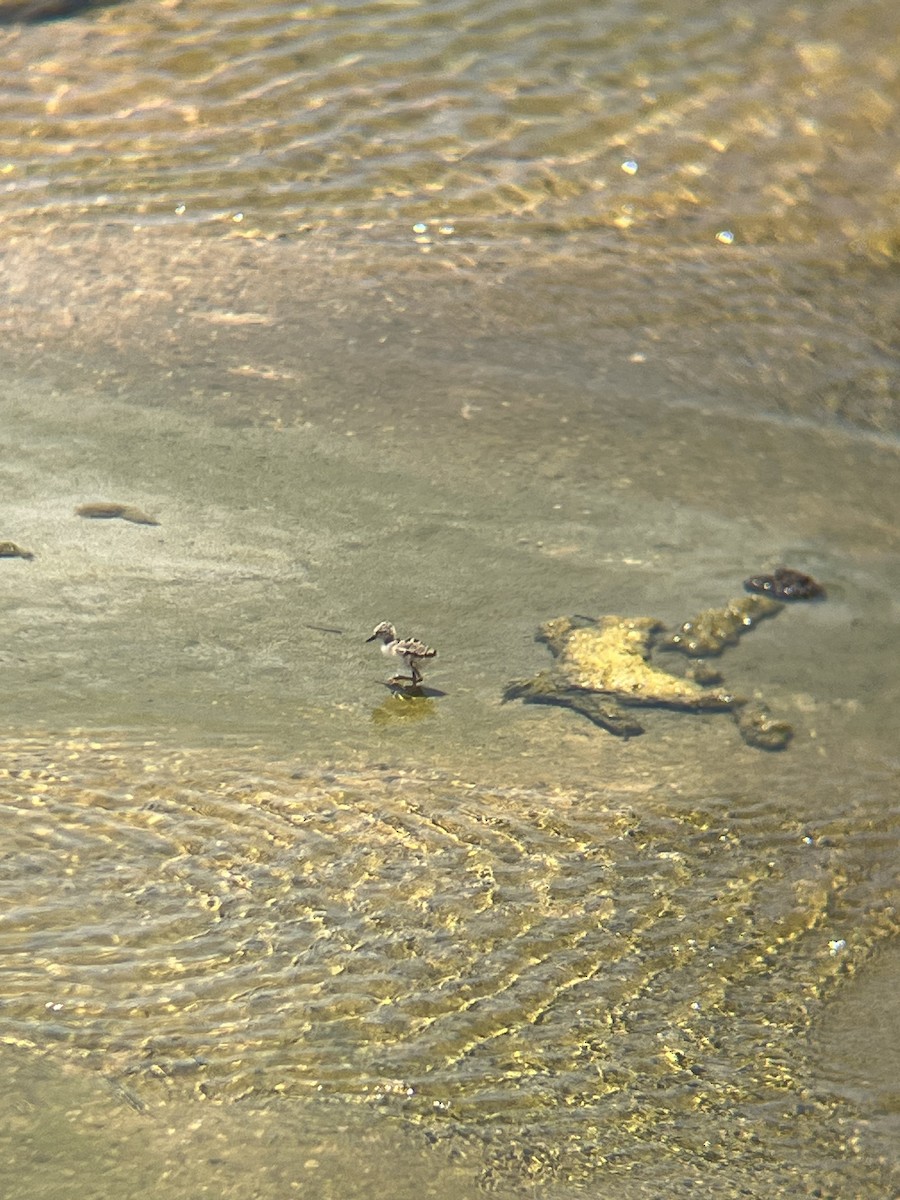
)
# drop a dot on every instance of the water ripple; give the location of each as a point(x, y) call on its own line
point(295, 118)
point(185, 922)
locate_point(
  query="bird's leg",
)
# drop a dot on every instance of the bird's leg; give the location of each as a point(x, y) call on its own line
point(416, 674)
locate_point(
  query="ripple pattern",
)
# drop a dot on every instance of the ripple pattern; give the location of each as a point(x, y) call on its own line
point(279, 119)
point(568, 979)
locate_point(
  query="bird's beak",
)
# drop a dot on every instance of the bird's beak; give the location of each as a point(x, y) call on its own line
point(372, 638)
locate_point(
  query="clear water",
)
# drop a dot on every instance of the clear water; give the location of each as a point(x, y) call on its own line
point(772, 120)
point(259, 914)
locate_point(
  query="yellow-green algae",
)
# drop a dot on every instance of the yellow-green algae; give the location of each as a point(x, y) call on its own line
point(612, 656)
point(603, 667)
point(712, 630)
point(580, 988)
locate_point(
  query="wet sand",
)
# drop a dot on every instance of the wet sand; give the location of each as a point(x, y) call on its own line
point(391, 312)
point(328, 440)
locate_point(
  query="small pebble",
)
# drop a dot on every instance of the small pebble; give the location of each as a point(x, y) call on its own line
point(785, 584)
point(102, 510)
point(11, 550)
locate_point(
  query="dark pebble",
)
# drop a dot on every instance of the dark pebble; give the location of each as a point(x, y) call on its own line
point(785, 584)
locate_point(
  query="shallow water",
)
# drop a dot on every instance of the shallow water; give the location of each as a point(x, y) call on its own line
point(314, 474)
point(575, 982)
point(257, 877)
point(259, 913)
point(773, 120)
point(65, 1131)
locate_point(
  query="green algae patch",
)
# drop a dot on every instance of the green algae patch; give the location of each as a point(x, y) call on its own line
point(603, 667)
point(712, 630)
point(613, 657)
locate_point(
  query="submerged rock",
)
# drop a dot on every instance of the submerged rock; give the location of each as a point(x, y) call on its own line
point(786, 584)
point(759, 728)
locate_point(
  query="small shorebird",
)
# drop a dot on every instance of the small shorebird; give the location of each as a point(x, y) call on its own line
point(411, 650)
